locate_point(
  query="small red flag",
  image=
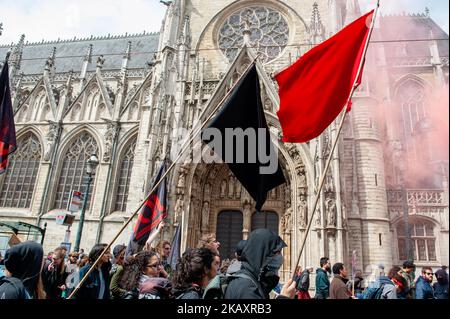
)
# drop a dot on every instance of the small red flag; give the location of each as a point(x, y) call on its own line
point(315, 89)
point(7, 128)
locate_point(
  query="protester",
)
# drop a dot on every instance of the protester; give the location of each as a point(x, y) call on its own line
point(83, 260)
point(423, 284)
point(224, 266)
point(236, 262)
point(302, 283)
point(209, 241)
point(441, 286)
point(195, 269)
point(96, 285)
point(23, 266)
point(72, 273)
point(118, 258)
point(357, 284)
point(322, 282)
point(261, 260)
point(408, 273)
point(141, 277)
point(338, 287)
point(163, 249)
point(54, 274)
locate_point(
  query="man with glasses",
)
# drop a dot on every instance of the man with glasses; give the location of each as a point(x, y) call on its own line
point(423, 285)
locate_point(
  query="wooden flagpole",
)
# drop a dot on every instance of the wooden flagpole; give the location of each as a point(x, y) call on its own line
point(193, 133)
point(341, 124)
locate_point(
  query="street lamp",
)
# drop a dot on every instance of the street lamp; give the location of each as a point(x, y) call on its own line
point(91, 165)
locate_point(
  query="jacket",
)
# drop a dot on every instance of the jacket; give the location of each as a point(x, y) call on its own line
point(389, 289)
point(12, 288)
point(91, 287)
point(258, 255)
point(303, 281)
point(338, 288)
point(440, 290)
point(52, 280)
point(322, 284)
point(116, 291)
point(424, 289)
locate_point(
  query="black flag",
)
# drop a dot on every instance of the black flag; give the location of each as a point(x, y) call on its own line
point(251, 159)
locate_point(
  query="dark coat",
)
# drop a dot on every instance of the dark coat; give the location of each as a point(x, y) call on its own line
point(338, 288)
point(52, 280)
point(440, 290)
point(258, 252)
point(91, 287)
point(424, 289)
point(303, 281)
point(193, 292)
point(322, 284)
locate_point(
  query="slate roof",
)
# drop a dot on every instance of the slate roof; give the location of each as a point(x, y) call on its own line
point(70, 53)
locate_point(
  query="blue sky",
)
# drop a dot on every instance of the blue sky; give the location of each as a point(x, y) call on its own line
point(53, 19)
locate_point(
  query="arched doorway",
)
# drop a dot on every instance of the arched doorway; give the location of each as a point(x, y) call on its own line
point(229, 232)
point(265, 219)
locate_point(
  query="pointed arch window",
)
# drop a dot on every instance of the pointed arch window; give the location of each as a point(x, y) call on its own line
point(126, 166)
point(20, 179)
point(229, 232)
point(73, 171)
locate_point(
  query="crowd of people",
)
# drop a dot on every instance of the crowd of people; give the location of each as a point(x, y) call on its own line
point(200, 274)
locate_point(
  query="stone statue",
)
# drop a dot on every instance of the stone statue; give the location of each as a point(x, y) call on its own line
point(100, 61)
point(231, 186)
point(181, 181)
point(286, 219)
point(51, 138)
point(111, 132)
point(205, 217)
point(302, 208)
point(223, 188)
point(329, 186)
point(238, 189)
point(302, 178)
point(331, 212)
point(178, 210)
point(207, 189)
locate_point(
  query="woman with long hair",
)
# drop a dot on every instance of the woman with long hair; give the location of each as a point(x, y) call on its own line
point(96, 286)
point(195, 269)
point(142, 277)
point(23, 266)
point(54, 275)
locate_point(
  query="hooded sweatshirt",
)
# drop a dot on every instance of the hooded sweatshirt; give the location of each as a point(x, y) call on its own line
point(260, 264)
point(24, 262)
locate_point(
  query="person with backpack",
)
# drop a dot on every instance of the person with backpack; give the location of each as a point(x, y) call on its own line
point(338, 287)
point(236, 262)
point(302, 283)
point(387, 287)
point(261, 259)
point(322, 282)
point(23, 266)
point(194, 271)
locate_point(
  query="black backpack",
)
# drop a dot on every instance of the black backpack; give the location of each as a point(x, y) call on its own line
point(225, 281)
point(17, 285)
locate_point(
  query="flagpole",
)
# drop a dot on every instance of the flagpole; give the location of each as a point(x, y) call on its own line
point(341, 124)
point(184, 149)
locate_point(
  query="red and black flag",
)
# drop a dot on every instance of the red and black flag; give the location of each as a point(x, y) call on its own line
point(153, 212)
point(7, 127)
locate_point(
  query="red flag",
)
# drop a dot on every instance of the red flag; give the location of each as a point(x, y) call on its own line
point(153, 212)
point(315, 89)
point(7, 128)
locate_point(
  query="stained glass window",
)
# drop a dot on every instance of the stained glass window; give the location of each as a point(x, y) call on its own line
point(126, 166)
point(73, 172)
point(23, 165)
point(269, 32)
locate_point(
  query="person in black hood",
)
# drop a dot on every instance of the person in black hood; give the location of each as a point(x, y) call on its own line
point(261, 259)
point(23, 265)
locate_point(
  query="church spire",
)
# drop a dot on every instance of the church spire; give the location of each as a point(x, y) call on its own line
point(353, 11)
point(316, 28)
point(15, 59)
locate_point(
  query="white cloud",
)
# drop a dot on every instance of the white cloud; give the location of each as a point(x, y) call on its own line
point(51, 19)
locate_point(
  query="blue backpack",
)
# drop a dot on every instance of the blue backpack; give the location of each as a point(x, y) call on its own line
point(374, 292)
